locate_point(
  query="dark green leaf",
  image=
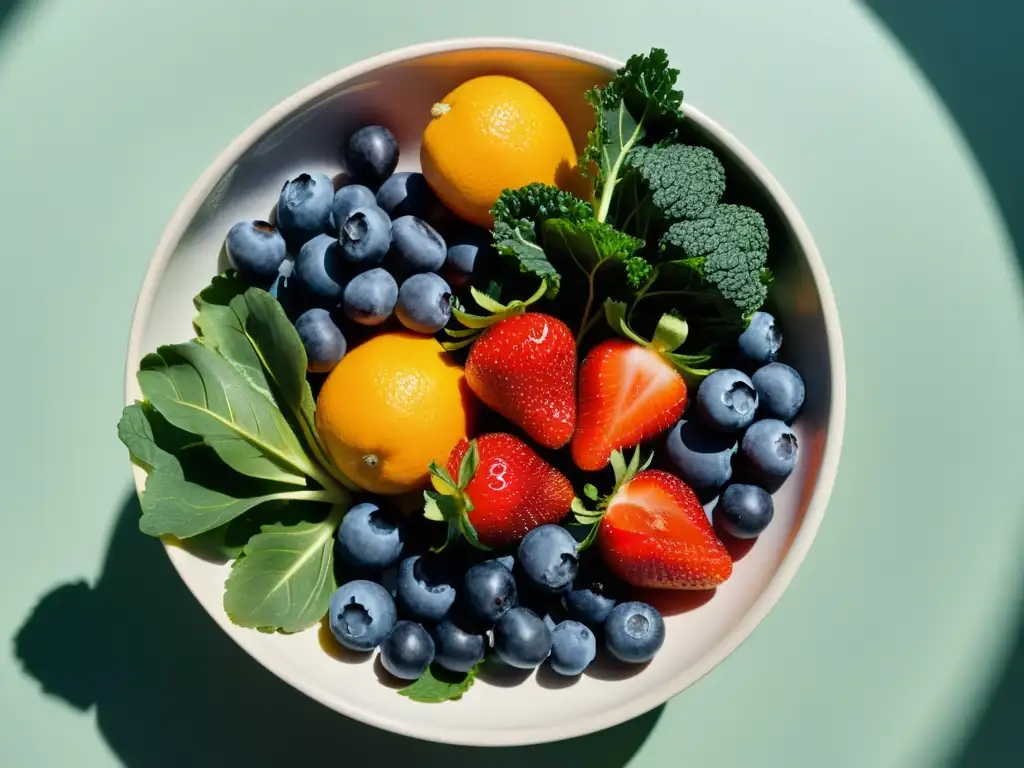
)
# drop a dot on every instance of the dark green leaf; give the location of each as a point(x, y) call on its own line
point(589, 243)
point(437, 685)
point(198, 391)
point(520, 245)
point(591, 537)
point(286, 578)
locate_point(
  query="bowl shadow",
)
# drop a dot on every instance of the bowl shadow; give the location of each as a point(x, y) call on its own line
point(169, 688)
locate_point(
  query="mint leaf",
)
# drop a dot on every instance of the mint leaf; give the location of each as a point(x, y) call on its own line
point(198, 391)
point(437, 685)
point(286, 578)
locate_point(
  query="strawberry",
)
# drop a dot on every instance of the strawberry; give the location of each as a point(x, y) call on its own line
point(652, 531)
point(630, 390)
point(503, 491)
point(522, 365)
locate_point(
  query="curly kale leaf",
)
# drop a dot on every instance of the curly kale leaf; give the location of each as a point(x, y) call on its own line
point(726, 252)
point(518, 216)
point(641, 103)
point(680, 181)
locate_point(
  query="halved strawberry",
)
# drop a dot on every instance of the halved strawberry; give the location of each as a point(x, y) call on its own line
point(630, 390)
point(522, 365)
point(652, 531)
point(500, 487)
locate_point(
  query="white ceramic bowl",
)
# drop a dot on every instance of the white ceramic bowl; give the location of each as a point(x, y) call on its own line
point(303, 133)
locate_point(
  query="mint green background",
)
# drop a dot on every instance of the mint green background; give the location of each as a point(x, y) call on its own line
point(900, 641)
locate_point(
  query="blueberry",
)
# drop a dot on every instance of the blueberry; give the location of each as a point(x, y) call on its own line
point(463, 254)
point(416, 246)
point(770, 448)
point(407, 651)
point(424, 303)
point(522, 639)
point(368, 538)
point(365, 237)
point(780, 391)
point(573, 648)
point(760, 342)
point(489, 590)
point(319, 272)
point(700, 456)
point(727, 400)
point(371, 154)
point(304, 207)
point(324, 343)
point(549, 558)
point(744, 511)
point(370, 297)
point(457, 649)
point(256, 251)
point(362, 615)
point(407, 193)
point(549, 622)
point(589, 603)
point(634, 632)
point(506, 560)
point(347, 199)
point(424, 589)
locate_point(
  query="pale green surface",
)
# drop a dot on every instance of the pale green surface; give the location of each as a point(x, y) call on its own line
point(886, 642)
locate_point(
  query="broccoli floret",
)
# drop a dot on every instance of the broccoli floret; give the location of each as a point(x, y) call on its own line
point(728, 250)
point(683, 182)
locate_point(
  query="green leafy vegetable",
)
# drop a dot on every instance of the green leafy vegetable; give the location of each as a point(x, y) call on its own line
point(640, 103)
point(519, 213)
point(173, 505)
point(286, 578)
point(438, 685)
point(198, 391)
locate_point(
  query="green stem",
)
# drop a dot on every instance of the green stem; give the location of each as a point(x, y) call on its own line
point(339, 497)
point(612, 177)
point(640, 295)
point(588, 326)
point(586, 320)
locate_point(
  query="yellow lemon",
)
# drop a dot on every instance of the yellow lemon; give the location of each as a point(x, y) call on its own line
point(390, 407)
point(493, 133)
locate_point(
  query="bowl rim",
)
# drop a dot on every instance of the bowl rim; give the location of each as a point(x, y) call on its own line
point(804, 537)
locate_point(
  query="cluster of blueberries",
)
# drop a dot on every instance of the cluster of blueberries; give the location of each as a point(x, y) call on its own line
point(362, 253)
point(526, 608)
point(739, 444)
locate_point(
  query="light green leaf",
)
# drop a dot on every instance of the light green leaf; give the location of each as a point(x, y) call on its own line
point(590, 538)
point(172, 505)
point(578, 507)
point(198, 391)
point(469, 464)
point(221, 329)
point(286, 578)
point(431, 509)
point(634, 463)
point(590, 491)
point(670, 334)
point(618, 463)
point(437, 685)
point(486, 302)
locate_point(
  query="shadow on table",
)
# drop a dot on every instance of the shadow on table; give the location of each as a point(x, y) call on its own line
point(972, 55)
point(171, 689)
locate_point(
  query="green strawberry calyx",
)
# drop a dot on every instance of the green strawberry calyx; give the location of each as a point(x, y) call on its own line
point(474, 324)
point(669, 335)
point(624, 472)
point(449, 503)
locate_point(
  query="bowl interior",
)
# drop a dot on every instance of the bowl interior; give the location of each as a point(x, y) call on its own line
point(303, 135)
